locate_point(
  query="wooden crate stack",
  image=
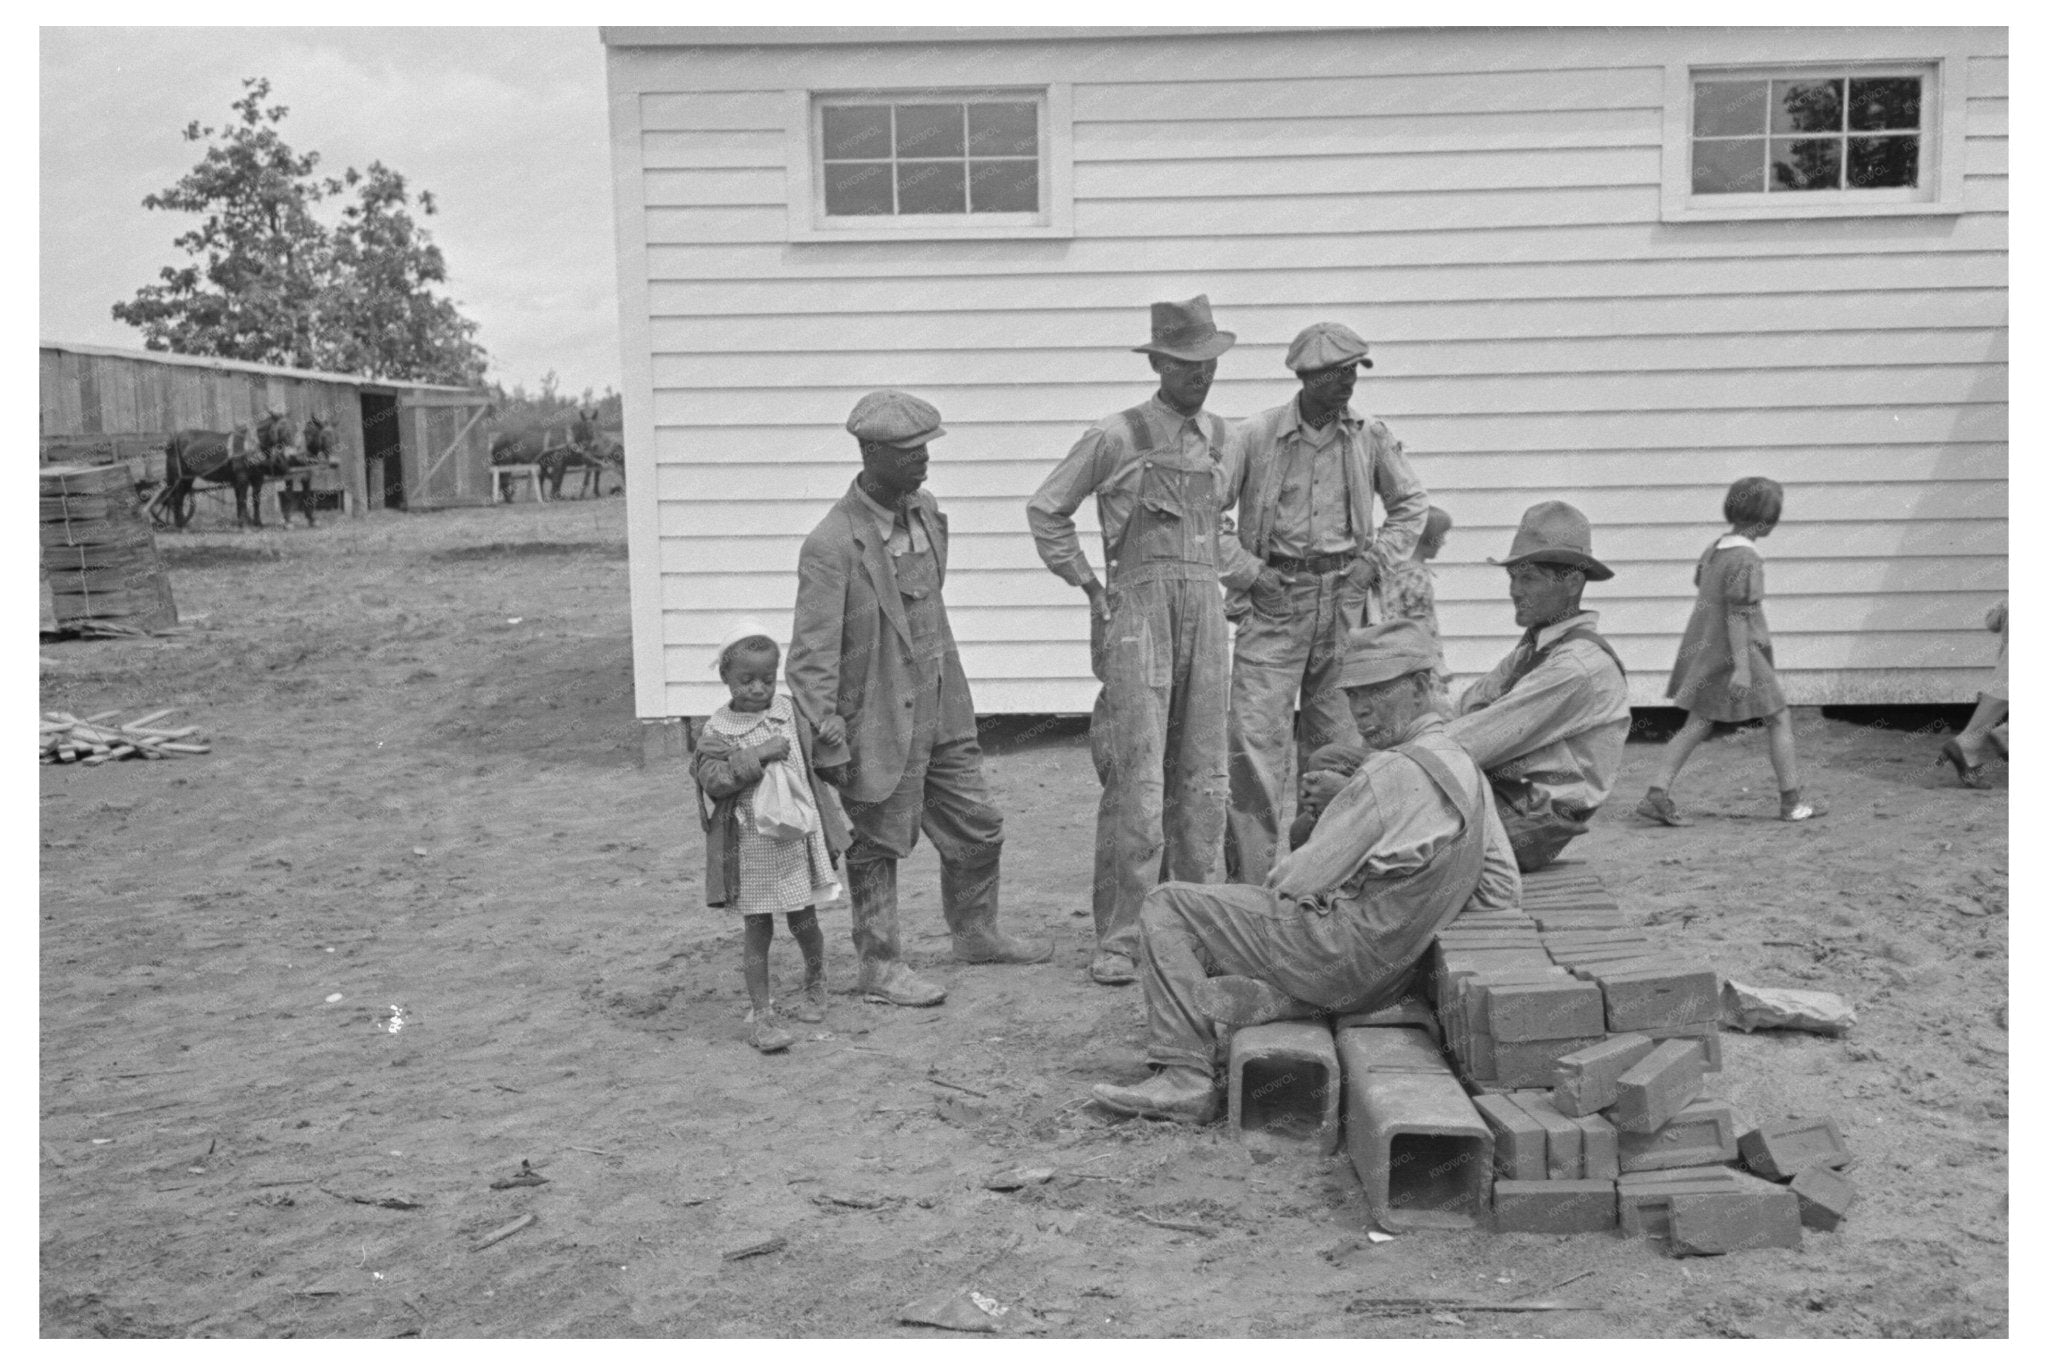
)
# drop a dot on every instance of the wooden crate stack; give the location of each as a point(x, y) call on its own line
point(99, 553)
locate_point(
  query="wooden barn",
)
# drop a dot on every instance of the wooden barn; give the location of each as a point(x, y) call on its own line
point(400, 445)
point(1618, 266)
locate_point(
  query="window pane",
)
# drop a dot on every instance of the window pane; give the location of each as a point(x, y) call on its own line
point(1729, 108)
point(931, 186)
point(1807, 106)
point(1806, 163)
point(857, 187)
point(1884, 102)
point(1735, 167)
point(856, 131)
point(1876, 162)
point(1004, 186)
point(1002, 129)
point(930, 130)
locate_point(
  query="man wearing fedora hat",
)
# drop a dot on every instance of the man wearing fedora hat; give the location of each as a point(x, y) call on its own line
point(1548, 723)
point(1307, 473)
point(874, 670)
point(1338, 926)
point(1158, 643)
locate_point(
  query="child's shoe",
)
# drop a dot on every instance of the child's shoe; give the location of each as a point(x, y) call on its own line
point(810, 1006)
point(766, 1032)
point(1658, 806)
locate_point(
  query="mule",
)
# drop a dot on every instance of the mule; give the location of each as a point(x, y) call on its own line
point(292, 461)
point(216, 457)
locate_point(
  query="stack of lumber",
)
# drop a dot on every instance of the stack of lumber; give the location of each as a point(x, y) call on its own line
point(99, 553)
point(97, 738)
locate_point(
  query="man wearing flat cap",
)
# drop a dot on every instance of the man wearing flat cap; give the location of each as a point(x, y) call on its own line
point(1548, 723)
point(1158, 643)
point(873, 668)
point(1308, 471)
point(1340, 922)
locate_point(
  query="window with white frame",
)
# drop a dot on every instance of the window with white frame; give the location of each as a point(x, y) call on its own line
point(1811, 141)
point(880, 165)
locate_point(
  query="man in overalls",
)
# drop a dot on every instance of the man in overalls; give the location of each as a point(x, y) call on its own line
point(1549, 721)
point(1309, 469)
point(1340, 923)
point(873, 667)
point(1157, 636)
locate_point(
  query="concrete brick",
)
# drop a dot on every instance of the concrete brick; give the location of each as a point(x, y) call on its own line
point(1595, 937)
point(1825, 1196)
point(1553, 920)
point(1582, 1082)
point(1529, 1066)
point(1650, 1093)
point(1285, 1087)
point(1422, 1152)
point(1520, 1150)
point(1599, 1148)
point(1681, 1174)
point(1708, 1036)
point(1780, 1151)
point(1716, 1222)
point(1643, 1202)
point(1563, 1140)
point(1563, 1008)
point(1660, 997)
point(1702, 1134)
point(1560, 1206)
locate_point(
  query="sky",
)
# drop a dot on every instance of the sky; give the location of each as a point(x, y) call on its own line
point(506, 126)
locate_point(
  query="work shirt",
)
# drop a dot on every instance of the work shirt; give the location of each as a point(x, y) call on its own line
point(1103, 462)
point(1312, 514)
point(1561, 728)
point(1390, 820)
point(1270, 444)
point(902, 531)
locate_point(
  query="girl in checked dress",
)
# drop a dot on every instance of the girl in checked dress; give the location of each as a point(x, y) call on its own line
point(754, 874)
point(1725, 671)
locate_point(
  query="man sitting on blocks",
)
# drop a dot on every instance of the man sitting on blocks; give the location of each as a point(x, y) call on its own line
point(1409, 842)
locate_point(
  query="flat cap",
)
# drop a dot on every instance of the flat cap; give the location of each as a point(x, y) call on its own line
point(1380, 653)
point(894, 418)
point(1323, 344)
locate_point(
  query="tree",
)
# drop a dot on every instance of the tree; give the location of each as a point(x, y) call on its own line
point(268, 281)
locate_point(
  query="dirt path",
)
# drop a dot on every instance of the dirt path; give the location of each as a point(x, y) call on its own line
point(425, 793)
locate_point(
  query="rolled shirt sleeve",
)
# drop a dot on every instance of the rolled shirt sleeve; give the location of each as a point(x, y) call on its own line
point(1050, 511)
point(1559, 698)
point(1401, 493)
point(1500, 881)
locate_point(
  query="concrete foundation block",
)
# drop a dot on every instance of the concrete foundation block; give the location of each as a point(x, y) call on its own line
point(1643, 1200)
point(1702, 1134)
point(1825, 1196)
point(1661, 997)
point(1285, 1086)
point(1716, 1222)
point(1530, 1066)
point(1563, 1140)
point(1562, 1206)
point(1538, 1011)
point(1599, 1148)
point(1650, 1093)
point(1780, 1151)
point(1421, 1150)
point(1708, 1036)
point(1583, 1082)
point(1520, 1145)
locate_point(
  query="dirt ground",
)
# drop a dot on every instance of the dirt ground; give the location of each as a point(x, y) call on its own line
point(426, 792)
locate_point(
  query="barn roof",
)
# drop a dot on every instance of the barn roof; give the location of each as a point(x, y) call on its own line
point(208, 362)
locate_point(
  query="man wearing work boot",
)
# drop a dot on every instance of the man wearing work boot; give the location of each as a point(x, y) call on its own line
point(872, 666)
point(1410, 841)
point(1548, 723)
point(1157, 638)
point(1308, 471)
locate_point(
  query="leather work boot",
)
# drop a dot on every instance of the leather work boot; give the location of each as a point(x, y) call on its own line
point(884, 978)
point(971, 914)
point(1183, 1094)
point(1242, 1001)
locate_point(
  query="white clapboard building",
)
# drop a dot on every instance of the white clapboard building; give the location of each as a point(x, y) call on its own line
point(1618, 266)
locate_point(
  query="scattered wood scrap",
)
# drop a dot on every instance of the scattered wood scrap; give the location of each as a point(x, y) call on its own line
point(102, 737)
point(492, 1238)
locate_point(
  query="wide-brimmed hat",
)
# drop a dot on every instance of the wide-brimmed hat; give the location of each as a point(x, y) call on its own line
point(1556, 533)
point(1186, 331)
point(1322, 345)
point(892, 417)
point(1381, 653)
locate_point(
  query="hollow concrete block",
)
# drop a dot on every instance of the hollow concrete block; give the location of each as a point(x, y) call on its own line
point(1422, 1152)
point(1285, 1086)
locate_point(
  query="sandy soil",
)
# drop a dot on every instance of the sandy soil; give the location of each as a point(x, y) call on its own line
point(425, 792)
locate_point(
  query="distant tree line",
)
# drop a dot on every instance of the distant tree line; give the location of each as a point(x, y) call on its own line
point(515, 409)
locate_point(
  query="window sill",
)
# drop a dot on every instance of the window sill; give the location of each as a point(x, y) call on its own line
point(1707, 211)
point(962, 232)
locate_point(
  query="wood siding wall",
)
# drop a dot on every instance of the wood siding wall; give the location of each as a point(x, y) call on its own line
point(1482, 205)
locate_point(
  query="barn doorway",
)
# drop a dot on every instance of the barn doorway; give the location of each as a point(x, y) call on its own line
point(383, 466)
